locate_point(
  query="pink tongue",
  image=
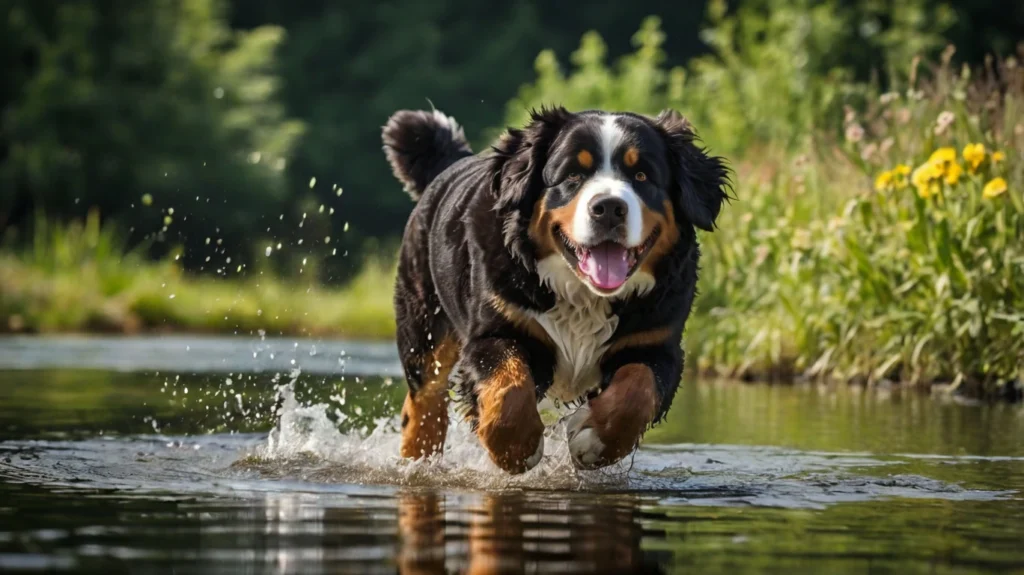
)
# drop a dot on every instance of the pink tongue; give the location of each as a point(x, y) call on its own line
point(606, 265)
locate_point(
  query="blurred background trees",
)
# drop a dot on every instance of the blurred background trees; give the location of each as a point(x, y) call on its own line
point(226, 126)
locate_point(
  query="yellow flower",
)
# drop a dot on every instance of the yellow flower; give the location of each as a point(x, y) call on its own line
point(922, 175)
point(928, 190)
point(946, 154)
point(901, 170)
point(998, 157)
point(994, 188)
point(953, 174)
point(883, 181)
point(974, 154)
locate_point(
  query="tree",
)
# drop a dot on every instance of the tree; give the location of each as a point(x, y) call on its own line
point(114, 101)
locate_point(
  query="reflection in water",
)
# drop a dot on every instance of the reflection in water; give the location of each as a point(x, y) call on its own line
point(510, 533)
point(108, 472)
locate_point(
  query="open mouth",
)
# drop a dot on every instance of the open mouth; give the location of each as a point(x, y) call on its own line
point(607, 265)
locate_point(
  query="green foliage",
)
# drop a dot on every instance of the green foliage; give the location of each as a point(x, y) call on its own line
point(116, 99)
point(812, 272)
point(76, 277)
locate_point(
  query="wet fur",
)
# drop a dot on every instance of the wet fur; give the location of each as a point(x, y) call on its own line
point(479, 267)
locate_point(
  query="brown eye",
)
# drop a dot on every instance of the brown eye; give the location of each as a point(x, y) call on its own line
point(574, 178)
point(641, 177)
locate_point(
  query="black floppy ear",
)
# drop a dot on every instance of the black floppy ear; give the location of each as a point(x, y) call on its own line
point(518, 163)
point(701, 180)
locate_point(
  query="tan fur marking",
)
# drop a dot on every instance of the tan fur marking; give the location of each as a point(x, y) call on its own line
point(641, 339)
point(508, 423)
point(585, 158)
point(622, 412)
point(520, 318)
point(631, 157)
point(668, 238)
point(425, 416)
point(543, 223)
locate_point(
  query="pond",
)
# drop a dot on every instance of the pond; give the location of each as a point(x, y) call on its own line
point(194, 454)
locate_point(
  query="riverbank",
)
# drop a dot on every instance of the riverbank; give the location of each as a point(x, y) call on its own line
point(76, 280)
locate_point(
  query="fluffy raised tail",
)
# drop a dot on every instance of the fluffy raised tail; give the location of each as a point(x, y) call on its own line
point(419, 145)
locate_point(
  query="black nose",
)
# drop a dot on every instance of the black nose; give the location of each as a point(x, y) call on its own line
point(608, 212)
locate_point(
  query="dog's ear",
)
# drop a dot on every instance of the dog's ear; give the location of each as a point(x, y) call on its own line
point(518, 163)
point(701, 180)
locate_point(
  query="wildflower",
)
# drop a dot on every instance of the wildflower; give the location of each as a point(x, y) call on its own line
point(925, 178)
point(946, 154)
point(974, 155)
point(945, 119)
point(953, 173)
point(854, 133)
point(997, 157)
point(901, 170)
point(994, 188)
point(883, 181)
point(928, 190)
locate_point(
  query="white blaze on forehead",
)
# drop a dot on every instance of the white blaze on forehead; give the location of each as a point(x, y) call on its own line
point(611, 136)
point(607, 183)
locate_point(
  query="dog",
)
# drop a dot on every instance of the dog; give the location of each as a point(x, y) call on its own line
point(562, 263)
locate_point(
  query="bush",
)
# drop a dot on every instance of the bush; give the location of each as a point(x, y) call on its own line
point(814, 271)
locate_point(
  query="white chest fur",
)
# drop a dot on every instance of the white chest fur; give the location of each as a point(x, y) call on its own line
point(580, 325)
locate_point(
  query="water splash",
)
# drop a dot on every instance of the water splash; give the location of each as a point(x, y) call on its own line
point(305, 438)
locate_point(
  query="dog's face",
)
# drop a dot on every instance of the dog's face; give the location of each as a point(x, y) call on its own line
point(605, 194)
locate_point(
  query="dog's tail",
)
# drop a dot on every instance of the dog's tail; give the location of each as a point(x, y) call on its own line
point(419, 145)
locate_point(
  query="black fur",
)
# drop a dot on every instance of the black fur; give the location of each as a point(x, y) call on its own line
point(466, 242)
point(702, 179)
point(420, 145)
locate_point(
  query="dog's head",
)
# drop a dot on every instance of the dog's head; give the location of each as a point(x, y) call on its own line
point(603, 195)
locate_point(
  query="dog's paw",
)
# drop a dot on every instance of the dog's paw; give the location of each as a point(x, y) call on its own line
point(585, 446)
point(511, 431)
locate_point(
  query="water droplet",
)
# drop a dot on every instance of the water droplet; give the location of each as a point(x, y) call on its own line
point(346, 226)
point(147, 200)
point(170, 296)
point(312, 182)
point(327, 240)
point(207, 241)
point(269, 251)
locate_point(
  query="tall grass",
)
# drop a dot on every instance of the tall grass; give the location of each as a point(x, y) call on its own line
point(78, 277)
point(876, 235)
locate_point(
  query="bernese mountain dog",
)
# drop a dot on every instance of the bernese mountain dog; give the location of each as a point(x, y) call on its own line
point(560, 265)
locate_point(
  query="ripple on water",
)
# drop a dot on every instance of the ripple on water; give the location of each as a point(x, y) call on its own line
point(307, 453)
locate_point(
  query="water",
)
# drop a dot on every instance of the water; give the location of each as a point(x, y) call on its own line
point(265, 465)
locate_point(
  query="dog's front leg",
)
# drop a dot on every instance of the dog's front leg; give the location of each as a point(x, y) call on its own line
point(638, 387)
point(505, 394)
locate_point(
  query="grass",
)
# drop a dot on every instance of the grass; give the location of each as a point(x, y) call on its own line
point(877, 236)
point(77, 278)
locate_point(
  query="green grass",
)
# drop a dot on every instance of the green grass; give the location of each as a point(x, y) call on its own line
point(813, 271)
point(862, 247)
point(76, 278)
